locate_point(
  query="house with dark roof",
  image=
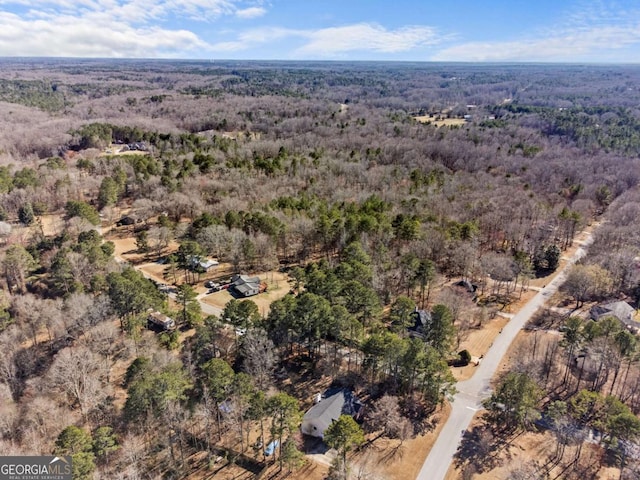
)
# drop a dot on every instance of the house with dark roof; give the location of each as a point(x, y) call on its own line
point(467, 285)
point(624, 312)
point(422, 320)
point(335, 403)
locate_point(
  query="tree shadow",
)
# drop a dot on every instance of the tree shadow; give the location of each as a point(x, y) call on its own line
point(480, 449)
point(393, 454)
point(313, 445)
point(420, 413)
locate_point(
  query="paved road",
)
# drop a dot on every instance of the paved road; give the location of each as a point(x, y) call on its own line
point(206, 308)
point(473, 391)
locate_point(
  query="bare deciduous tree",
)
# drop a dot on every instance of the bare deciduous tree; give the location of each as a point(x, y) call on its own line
point(77, 372)
point(385, 417)
point(259, 357)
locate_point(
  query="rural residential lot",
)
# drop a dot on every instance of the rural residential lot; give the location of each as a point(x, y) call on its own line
point(317, 270)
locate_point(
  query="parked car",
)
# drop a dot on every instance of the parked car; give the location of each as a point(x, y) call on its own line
point(210, 284)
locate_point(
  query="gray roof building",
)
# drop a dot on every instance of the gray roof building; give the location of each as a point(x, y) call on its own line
point(624, 312)
point(322, 415)
point(245, 286)
point(319, 417)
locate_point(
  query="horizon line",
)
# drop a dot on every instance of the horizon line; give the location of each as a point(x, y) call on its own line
point(328, 61)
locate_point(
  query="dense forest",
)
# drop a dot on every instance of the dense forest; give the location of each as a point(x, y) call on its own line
point(377, 189)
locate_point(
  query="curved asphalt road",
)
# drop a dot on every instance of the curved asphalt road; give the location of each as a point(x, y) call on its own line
point(473, 391)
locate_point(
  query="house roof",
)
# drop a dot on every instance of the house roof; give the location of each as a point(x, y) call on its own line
point(245, 284)
point(470, 287)
point(162, 319)
point(205, 263)
point(328, 409)
point(245, 288)
point(620, 310)
point(241, 279)
point(208, 263)
point(422, 319)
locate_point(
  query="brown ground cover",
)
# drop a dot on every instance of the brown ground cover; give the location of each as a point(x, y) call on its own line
point(443, 122)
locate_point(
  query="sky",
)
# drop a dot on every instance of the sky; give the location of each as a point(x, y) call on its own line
point(576, 31)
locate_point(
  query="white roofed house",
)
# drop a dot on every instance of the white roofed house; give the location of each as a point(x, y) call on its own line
point(203, 263)
point(161, 320)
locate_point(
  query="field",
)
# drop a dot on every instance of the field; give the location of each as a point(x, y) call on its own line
point(440, 122)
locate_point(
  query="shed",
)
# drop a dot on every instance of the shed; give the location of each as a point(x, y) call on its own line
point(203, 263)
point(271, 448)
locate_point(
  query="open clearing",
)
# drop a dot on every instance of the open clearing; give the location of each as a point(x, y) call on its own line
point(440, 122)
point(277, 282)
point(385, 459)
point(277, 287)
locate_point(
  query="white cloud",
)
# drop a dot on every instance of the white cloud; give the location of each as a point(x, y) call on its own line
point(134, 11)
point(328, 42)
point(597, 43)
point(78, 37)
point(108, 28)
point(337, 41)
point(251, 12)
point(594, 31)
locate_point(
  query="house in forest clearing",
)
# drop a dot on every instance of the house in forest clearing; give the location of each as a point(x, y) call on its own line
point(203, 263)
point(319, 417)
point(422, 320)
point(246, 286)
point(624, 312)
point(160, 320)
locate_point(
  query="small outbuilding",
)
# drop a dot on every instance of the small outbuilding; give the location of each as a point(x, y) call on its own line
point(203, 263)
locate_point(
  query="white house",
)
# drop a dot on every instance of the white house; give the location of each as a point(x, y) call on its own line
point(246, 286)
